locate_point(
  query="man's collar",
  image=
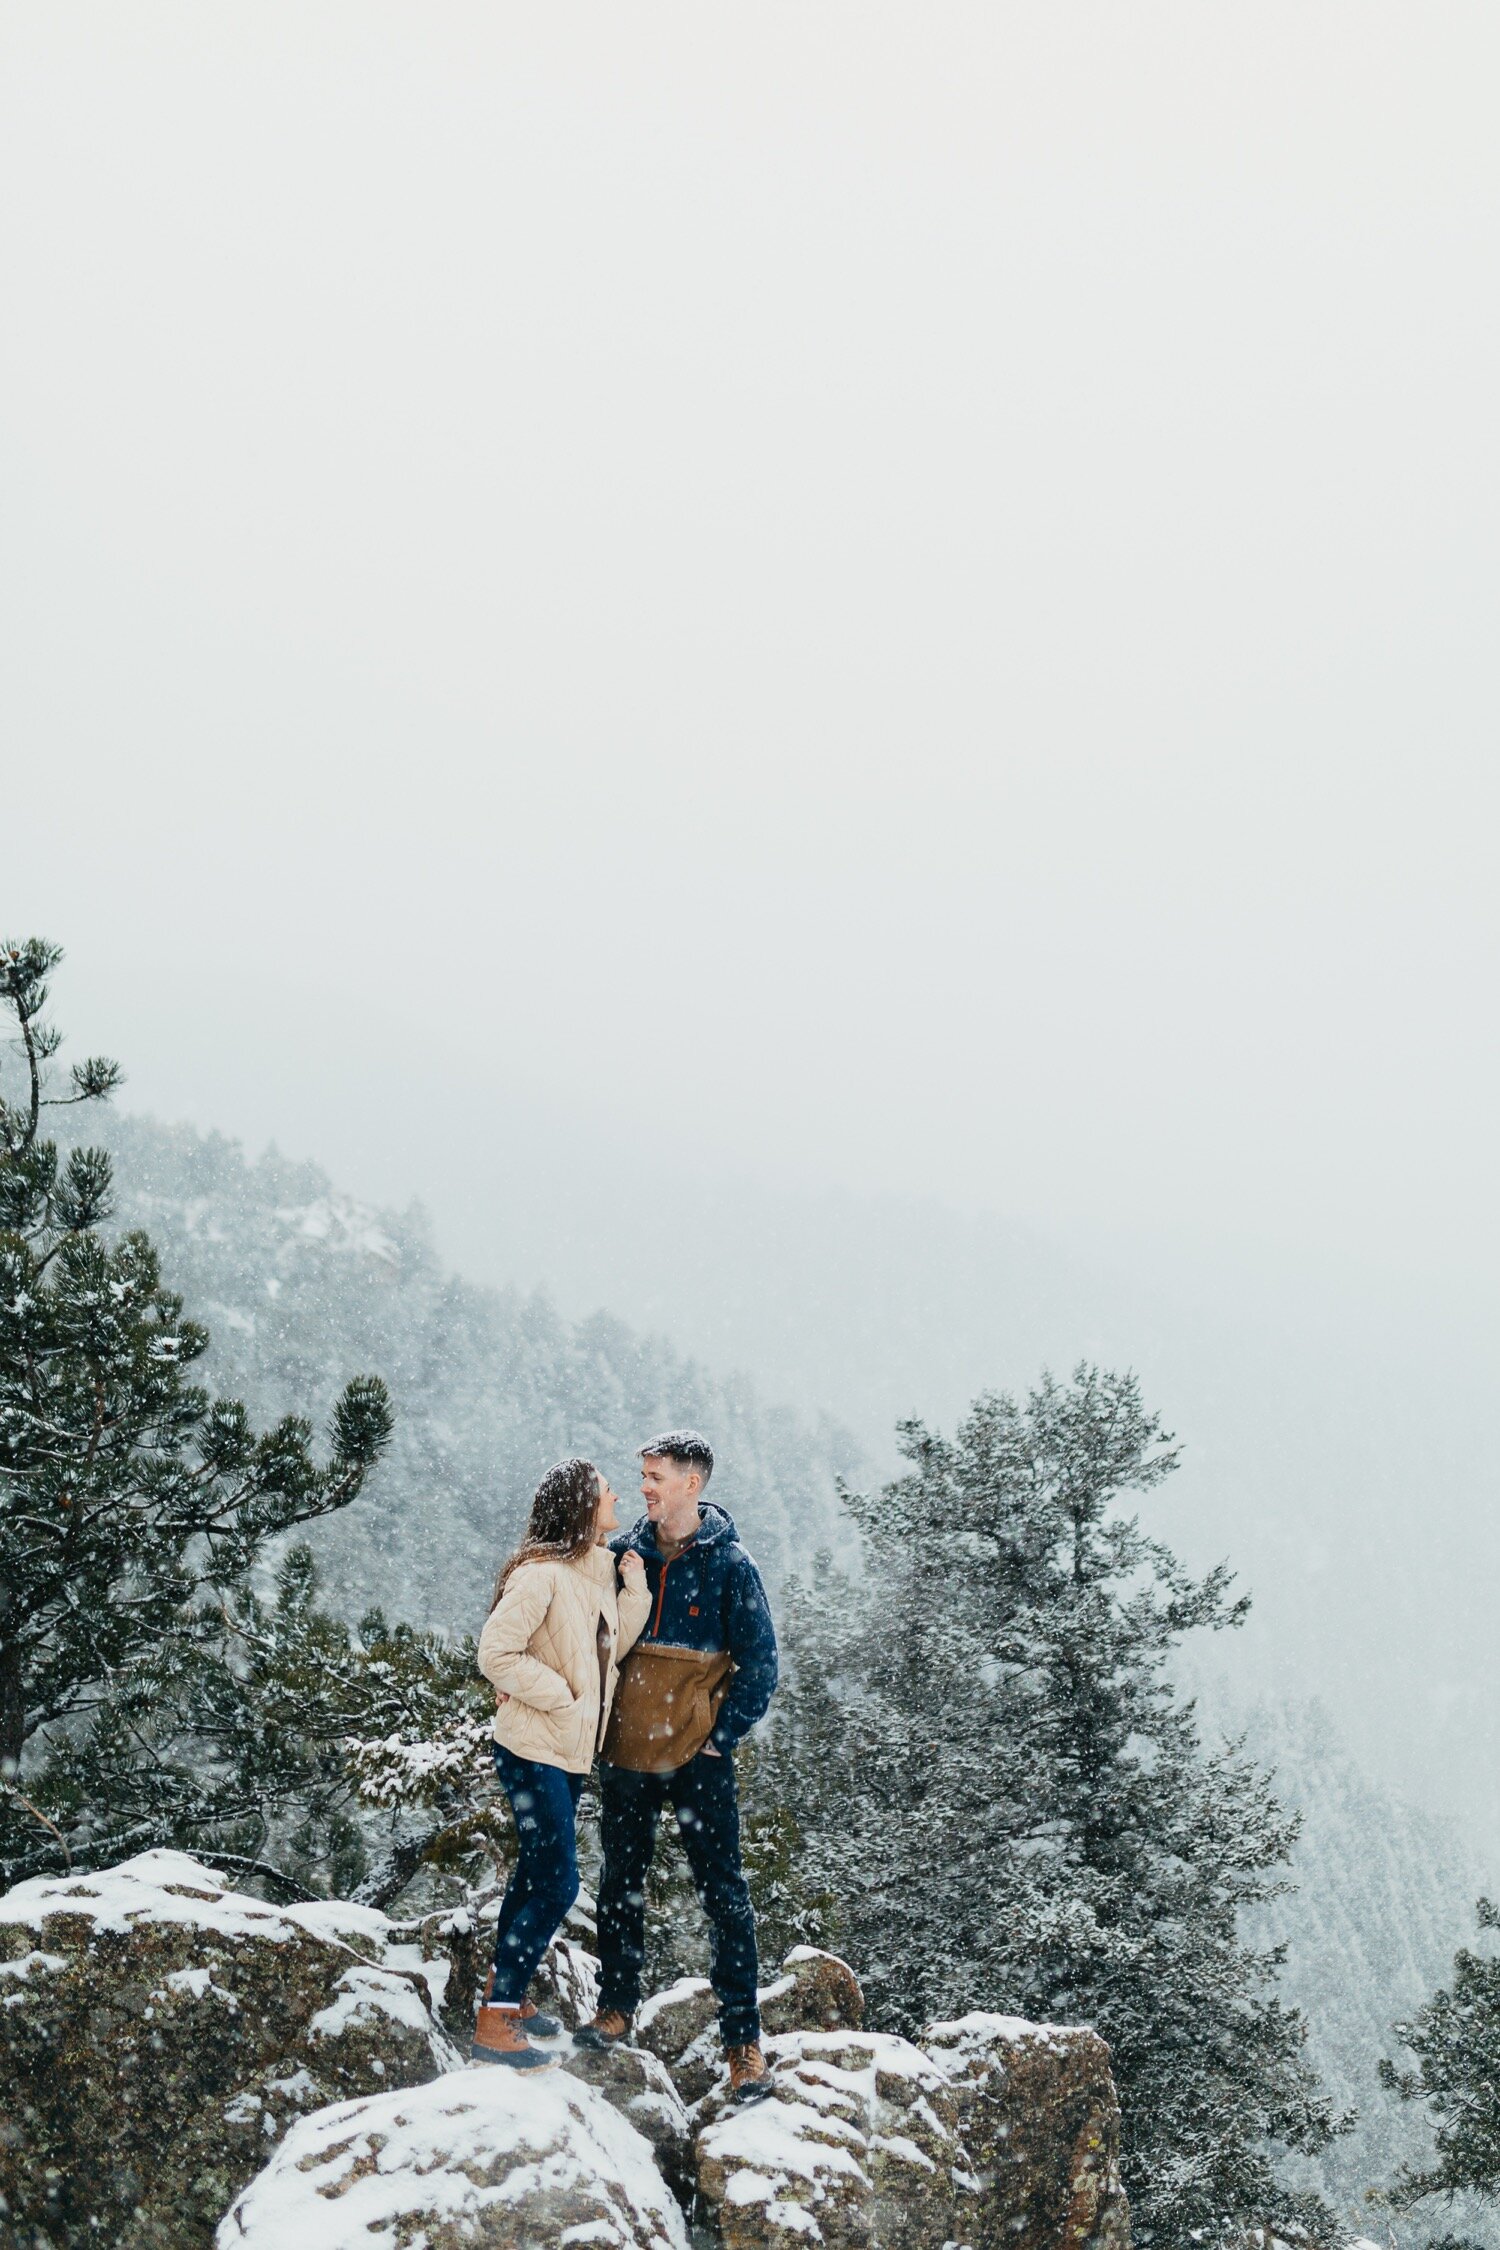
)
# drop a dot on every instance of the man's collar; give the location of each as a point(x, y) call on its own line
point(660, 1532)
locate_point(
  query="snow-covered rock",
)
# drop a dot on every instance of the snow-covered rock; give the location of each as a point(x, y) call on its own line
point(160, 2032)
point(487, 2159)
point(177, 2048)
point(679, 2025)
point(994, 2133)
point(566, 1984)
point(669, 2021)
point(857, 2147)
point(1041, 2123)
point(812, 1991)
point(815, 1991)
point(641, 2089)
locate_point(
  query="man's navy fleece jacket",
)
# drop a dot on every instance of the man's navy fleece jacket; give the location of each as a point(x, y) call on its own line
point(710, 1597)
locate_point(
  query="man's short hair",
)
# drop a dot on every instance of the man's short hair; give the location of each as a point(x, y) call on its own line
point(688, 1448)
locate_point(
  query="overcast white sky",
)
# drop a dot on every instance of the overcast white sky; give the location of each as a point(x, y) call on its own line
point(902, 596)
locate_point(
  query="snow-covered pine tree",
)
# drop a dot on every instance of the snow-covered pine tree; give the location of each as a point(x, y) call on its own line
point(281, 1742)
point(898, 1748)
point(132, 1505)
point(1455, 2038)
point(1014, 1810)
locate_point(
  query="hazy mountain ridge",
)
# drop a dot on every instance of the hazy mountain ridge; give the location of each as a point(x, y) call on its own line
point(301, 1286)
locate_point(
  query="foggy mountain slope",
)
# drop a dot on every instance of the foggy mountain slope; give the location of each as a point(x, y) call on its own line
point(1336, 1426)
point(1385, 1898)
point(301, 1286)
point(1336, 1445)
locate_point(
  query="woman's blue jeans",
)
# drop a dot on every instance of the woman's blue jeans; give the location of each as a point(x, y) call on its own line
point(544, 1800)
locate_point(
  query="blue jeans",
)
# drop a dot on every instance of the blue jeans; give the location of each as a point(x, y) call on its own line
point(544, 1800)
point(706, 1803)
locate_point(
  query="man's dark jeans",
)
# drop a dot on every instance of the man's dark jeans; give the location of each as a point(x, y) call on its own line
point(544, 1800)
point(703, 1796)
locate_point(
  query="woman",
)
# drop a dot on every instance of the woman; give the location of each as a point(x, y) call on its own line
point(551, 1649)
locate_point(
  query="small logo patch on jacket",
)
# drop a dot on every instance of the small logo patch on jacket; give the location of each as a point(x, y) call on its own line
point(692, 1609)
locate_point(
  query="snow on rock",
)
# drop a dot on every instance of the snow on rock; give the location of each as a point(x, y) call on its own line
point(567, 1983)
point(857, 2147)
point(163, 2030)
point(175, 2045)
point(486, 2159)
point(463, 1939)
point(640, 2088)
point(812, 1991)
point(1041, 2124)
point(994, 2133)
point(815, 1991)
point(172, 1889)
point(679, 2026)
point(567, 1986)
point(671, 2019)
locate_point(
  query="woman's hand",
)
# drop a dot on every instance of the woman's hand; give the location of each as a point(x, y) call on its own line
point(632, 1570)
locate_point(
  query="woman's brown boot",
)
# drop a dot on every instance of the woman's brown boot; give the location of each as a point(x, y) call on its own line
point(498, 2038)
point(538, 2026)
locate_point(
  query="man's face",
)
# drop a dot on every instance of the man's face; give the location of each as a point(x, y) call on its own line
point(669, 1489)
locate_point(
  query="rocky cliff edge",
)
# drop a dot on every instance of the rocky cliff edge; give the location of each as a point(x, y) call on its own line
point(184, 2066)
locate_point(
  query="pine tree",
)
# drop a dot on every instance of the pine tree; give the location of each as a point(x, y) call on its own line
point(134, 1508)
point(1033, 1823)
point(284, 1744)
point(1456, 2040)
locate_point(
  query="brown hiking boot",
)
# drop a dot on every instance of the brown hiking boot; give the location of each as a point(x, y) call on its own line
point(608, 2029)
point(540, 2026)
point(749, 2077)
point(498, 2038)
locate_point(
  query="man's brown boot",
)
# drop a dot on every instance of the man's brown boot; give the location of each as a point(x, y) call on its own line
point(498, 2038)
point(608, 2029)
point(749, 2077)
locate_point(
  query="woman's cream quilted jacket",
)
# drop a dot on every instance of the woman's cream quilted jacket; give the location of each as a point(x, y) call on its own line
point(540, 1650)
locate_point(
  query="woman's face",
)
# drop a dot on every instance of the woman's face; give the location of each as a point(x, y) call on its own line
point(606, 1518)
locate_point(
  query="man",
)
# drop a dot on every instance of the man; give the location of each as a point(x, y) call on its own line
point(697, 1680)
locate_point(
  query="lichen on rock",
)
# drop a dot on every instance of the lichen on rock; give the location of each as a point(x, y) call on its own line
point(815, 1991)
point(1041, 2122)
point(161, 2032)
point(641, 2089)
point(857, 2147)
point(178, 2059)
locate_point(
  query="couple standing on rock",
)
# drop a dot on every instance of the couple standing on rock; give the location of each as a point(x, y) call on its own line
point(653, 1648)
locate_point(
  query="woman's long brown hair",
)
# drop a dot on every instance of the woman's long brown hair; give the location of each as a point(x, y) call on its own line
point(560, 1527)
